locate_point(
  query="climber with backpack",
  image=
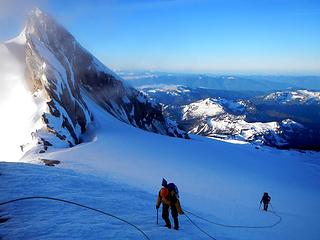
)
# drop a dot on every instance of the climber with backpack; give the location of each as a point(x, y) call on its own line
point(266, 200)
point(169, 197)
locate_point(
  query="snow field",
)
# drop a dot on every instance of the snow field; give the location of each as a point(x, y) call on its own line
point(218, 180)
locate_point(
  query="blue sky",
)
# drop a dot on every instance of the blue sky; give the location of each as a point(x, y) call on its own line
point(217, 36)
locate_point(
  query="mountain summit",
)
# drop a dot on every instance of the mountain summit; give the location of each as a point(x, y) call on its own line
point(61, 74)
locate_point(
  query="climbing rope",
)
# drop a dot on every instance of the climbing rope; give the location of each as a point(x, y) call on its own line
point(238, 226)
point(276, 214)
point(229, 226)
point(137, 228)
point(79, 205)
point(199, 227)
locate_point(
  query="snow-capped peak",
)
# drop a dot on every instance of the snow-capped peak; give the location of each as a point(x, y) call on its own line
point(65, 74)
point(203, 108)
point(290, 97)
point(37, 12)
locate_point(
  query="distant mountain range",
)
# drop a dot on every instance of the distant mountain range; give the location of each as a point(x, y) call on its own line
point(282, 119)
point(60, 76)
point(223, 82)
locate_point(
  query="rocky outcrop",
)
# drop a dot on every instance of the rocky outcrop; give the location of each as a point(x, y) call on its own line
point(50, 71)
point(60, 71)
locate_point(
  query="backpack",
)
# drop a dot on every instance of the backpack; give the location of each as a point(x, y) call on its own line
point(173, 187)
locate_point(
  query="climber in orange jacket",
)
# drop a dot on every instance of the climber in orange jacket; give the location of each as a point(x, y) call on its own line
point(169, 198)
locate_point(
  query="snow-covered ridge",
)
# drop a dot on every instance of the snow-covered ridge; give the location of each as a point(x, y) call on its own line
point(173, 90)
point(203, 108)
point(291, 97)
point(226, 119)
point(104, 86)
point(211, 107)
point(50, 70)
point(246, 116)
point(59, 73)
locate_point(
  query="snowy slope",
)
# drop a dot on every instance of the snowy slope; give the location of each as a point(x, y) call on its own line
point(43, 219)
point(218, 180)
point(118, 168)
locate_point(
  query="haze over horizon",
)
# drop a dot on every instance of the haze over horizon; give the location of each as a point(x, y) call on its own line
point(223, 37)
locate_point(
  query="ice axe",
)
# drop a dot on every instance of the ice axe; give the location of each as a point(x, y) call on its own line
point(272, 207)
point(157, 215)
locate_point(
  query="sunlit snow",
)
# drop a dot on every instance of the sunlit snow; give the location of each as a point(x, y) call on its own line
point(17, 104)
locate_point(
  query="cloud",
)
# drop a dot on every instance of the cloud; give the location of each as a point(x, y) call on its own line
point(16, 8)
point(13, 14)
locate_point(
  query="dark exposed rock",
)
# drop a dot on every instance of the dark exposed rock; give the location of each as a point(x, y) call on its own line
point(49, 162)
point(60, 68)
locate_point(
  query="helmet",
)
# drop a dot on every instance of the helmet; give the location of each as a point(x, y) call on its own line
point(164, 182)
point(164, 192)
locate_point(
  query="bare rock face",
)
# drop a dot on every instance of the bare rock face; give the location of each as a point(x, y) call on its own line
point(50, 71)
point(62, 71)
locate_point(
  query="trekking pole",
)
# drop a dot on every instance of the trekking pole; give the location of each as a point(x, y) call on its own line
point(260, 206)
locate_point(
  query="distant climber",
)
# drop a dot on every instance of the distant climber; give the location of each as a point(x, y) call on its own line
point(168, 196)
point(265, 200)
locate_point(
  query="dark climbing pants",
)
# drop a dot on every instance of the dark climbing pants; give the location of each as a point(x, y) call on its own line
point(174, 214)
point(265, 206)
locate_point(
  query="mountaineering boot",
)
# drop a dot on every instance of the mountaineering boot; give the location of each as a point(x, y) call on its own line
point(168, 226)
point(168, 223)
point(176, 223)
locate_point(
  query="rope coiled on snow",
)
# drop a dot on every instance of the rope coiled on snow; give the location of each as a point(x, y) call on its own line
point(238, 226)
point(79, 205)
point(210, 236)
point(137, 228)
point(226, 225)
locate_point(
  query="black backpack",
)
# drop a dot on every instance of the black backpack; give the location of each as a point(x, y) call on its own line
point(173, 187)
point(170, 186)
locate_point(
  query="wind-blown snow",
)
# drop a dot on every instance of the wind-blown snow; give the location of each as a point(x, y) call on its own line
point(17, 106)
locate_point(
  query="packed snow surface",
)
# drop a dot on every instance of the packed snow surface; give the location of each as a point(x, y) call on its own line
point(119, 168)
